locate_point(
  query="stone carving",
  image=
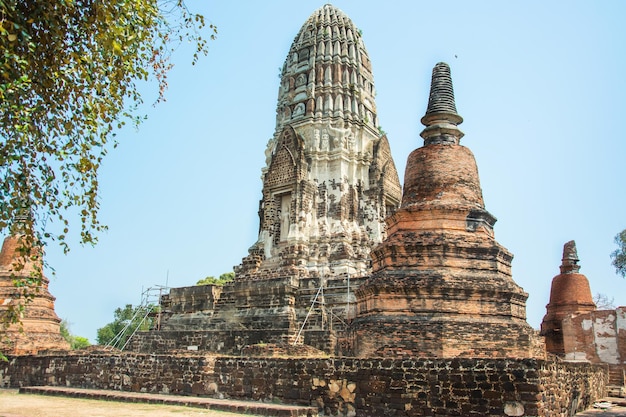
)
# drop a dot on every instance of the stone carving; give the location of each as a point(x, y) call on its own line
point(269, 150)
point(301, 80)
point(316, 139)
point(299, 110)
point(325, 140)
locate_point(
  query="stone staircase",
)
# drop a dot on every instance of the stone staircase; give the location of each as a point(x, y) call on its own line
point(233, 406)
point(617, 381)
point(616, 375)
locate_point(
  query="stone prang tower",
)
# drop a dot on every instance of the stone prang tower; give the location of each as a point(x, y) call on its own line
point(330, 180)
point(441, 284)
point(328, 185)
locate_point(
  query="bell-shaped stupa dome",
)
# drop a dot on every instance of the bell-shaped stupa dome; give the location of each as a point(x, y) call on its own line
point(442, 173)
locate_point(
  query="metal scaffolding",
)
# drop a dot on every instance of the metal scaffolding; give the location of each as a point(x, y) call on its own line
point(150, 306)
point(332, 304)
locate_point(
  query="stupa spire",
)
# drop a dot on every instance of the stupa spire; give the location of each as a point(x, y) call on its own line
point(443, 172)
point(441, 118)
point(569, 263)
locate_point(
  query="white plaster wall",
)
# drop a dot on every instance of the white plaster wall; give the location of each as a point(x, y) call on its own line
point(620, 314)
point(605, 337)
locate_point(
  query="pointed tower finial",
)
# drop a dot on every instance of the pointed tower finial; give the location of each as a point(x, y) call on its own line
point(441, 118)
point(569, 263)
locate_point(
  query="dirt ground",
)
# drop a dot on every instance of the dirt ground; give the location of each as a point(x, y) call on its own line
point(13, 404)
point(618, 410)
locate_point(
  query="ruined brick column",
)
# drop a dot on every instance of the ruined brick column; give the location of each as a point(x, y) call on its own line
point(441, 284)
point(40, 327)
point(570, 295)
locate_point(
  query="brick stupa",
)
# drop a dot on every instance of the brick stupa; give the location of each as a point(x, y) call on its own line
point(441, 285)
point(570, 295)
point(40, 326)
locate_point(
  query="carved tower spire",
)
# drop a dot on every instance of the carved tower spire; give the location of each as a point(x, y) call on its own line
point(328, 184)
point(329, 180)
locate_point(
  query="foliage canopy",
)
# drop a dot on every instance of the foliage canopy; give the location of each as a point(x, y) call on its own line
point(223, 279)
point(619, 255)
point(69, 74)
point(76, 342)
point(126, 321)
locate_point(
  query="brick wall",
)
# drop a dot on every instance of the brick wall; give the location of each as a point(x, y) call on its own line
point(597, 337)
point(224, 342)
point(570, 387)
point(338, 386)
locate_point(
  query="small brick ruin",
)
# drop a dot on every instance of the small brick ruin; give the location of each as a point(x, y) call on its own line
point(359, 297)
point(39, 329)
point(575, 330)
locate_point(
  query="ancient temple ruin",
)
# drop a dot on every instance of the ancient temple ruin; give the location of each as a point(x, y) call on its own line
point(437, 303)
point(357, 298)
point(340, 265)
point(440, 285)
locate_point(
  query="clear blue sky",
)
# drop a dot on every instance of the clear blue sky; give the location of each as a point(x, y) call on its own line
point(541, 86)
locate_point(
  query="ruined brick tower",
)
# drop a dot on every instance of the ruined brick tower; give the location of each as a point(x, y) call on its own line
point(575, 330)
point(570, 295)
point(441, 284)
point(40, 325)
